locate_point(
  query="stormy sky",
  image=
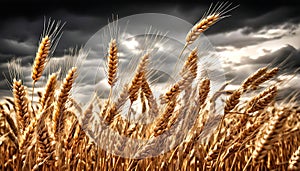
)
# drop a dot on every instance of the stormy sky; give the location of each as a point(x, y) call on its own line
point(258, 33)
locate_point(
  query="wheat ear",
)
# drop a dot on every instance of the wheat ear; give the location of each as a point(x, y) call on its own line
point(251, 105)
point(253, 77)
point(45, 143)
point(50, 37)
point(263, 102)
point(232, 101)
point(112, 62)
point(62, 99)
point(136, 82)
point(153, 107)
point(158, 128)
point(212, 16)
point(190, 64)
point(269, 135)
point(115, 108)
point(21, 105)
point(40, 59)
point(188, 75)
point(160, 125)
point(48, 95)
point(268, 75)
point(112, 66)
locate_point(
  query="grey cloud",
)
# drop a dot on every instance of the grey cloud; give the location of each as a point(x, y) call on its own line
point(84, 18)
point(240, 72)
point(236, 41)
point(13, 48)
point(288, 58)
point(247, 36)
point(275, 17)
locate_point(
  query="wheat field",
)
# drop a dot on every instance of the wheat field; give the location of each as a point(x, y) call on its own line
point(259, 133)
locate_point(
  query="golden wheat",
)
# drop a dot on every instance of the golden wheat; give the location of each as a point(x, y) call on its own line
point(258, 133)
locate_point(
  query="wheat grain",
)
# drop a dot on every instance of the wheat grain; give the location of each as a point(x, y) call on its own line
point(40, 59)
point(112, 62)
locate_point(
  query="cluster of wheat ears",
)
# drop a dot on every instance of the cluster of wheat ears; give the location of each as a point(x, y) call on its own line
point(258, 133)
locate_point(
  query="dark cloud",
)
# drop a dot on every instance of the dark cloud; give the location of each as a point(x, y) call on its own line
point(237, 41)
point(13, 48)
point(22, 24)
point(287, 58)
point(277, 16)
point(248, 36)
point(83, 18)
